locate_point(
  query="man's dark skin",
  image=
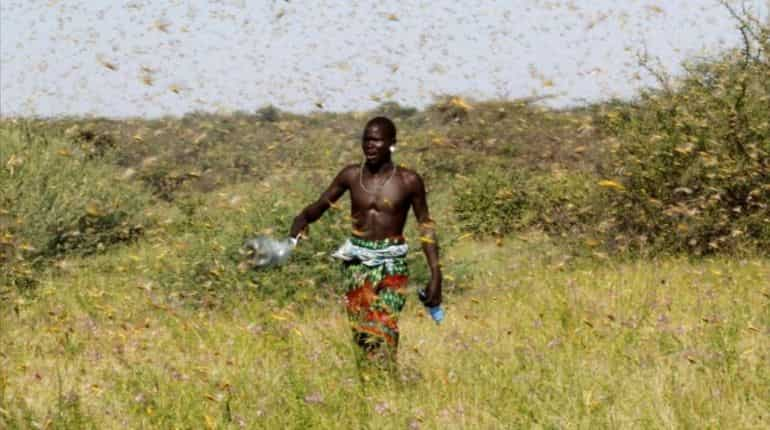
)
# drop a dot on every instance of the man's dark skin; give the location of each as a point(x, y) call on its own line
point(379, 209)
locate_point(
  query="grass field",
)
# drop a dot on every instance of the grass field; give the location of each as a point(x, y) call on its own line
point(530, 341)
point(123, 303)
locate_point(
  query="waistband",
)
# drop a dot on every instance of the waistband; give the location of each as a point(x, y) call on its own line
point(377, 244)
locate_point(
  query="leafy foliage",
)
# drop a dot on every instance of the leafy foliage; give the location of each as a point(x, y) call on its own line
point(498, 202)
point(268, 113)
point(57, 199)
point(491, 202)
point(691, 160)
point(395, 110)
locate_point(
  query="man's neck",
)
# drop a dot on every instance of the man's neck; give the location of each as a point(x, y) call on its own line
point(384, 166)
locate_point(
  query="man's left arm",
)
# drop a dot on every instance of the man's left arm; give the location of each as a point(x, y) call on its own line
point(428, 240)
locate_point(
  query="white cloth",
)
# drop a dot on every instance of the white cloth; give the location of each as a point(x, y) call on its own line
point(371, 257)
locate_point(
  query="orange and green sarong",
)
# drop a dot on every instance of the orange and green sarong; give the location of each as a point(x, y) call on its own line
point(375, 277)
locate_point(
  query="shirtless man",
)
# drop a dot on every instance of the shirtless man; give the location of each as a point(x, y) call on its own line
point(381, 194)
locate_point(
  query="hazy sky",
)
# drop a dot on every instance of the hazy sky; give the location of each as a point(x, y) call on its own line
point(153, 57)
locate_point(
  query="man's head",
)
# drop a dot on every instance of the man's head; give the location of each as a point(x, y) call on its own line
point(378, 139)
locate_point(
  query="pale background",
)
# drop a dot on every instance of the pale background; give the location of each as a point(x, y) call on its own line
point(152, 58)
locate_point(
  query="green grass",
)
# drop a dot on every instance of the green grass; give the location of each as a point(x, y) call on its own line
point(530, 342)
point(162, 329)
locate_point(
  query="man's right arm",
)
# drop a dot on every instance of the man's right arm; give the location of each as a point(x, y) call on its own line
point(310, 214)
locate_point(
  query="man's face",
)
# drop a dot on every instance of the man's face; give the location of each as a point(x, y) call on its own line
point(375, 145)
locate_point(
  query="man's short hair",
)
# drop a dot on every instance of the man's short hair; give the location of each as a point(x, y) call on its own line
point(384, 124)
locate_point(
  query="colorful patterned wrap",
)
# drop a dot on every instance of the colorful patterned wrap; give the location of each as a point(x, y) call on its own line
point(375, 277)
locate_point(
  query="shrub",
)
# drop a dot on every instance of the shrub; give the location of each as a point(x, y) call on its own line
point(497, 202)
point(394, 110)
point(690, 167)
point(57, 200)
point(268, 113)
point(94, 144)
point(450, 109)
point(561, 203)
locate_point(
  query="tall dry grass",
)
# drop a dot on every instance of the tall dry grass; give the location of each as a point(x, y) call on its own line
point(531, 343)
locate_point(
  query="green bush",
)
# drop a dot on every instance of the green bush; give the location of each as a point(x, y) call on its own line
point(450, 109)
point(690, 169)
point(394, 110)
point(490, 202)
point(496, 202)
point(268, 113)
point(57, 199)
point(561, 203)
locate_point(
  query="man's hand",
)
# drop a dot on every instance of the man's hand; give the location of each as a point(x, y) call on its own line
point(433, 291)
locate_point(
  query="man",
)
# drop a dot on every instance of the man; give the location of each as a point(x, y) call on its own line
point(375, 269)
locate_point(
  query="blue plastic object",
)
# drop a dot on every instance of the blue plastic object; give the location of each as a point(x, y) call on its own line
point(435, 312)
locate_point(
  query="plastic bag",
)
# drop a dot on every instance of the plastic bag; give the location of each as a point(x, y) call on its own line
point(266, 251)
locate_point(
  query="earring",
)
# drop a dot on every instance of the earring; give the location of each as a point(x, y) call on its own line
point(392, 148)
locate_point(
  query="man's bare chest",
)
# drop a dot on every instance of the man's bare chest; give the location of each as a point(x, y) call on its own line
point(390, 198)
